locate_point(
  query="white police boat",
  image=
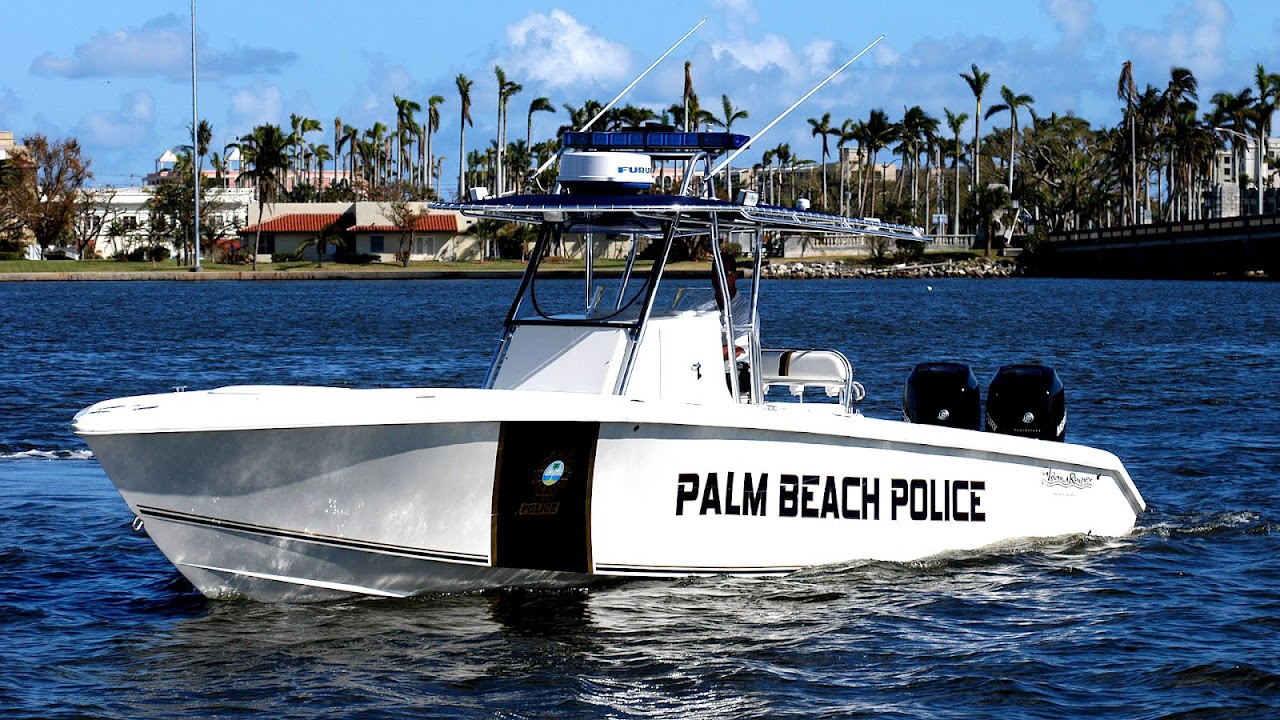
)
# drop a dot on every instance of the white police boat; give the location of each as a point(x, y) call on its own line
point(631, 425)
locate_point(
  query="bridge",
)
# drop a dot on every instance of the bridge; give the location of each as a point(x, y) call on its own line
point(1221, 247)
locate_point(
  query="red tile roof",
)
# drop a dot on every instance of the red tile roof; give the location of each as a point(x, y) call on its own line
point(296, 223)
point(443, 222)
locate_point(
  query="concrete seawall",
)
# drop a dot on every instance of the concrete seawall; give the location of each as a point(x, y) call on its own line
point(215, 275)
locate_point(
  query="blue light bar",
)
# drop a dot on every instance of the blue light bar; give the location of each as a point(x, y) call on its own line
point(654, 141)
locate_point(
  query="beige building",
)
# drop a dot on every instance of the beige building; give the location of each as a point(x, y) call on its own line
point(367, 229)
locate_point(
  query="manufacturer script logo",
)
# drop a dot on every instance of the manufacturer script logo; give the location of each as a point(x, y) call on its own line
point(1055, 478)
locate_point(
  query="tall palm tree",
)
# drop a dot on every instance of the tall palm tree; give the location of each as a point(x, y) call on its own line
point(956, 123)
point(338, 141)
point(406, 126)
point(539, 104)
point(432, 125)
point(726, 121)
point(783, 155)
point(1127, 91)
point(1180, 118)
point(351, 137)
point(298, 138)
point(264, 160)
point(321, 154)
point(464, 94)
point(879, 134)
point(1268, 86)
point(822, 126)
point(1233, 111)
point(1012, 101)
point(850, 131)
point(977, 81)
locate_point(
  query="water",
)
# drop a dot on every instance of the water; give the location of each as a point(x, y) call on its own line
point(1180, 619)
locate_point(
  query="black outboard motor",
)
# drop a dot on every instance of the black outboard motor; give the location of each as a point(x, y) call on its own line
point(942, 393)
point(1027, 400)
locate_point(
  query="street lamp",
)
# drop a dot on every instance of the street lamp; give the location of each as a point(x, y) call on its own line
point(1257, 180)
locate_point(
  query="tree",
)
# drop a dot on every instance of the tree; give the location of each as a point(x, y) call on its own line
point(464, 94)
point(264, 153)
point(879, 133)
point(726, 121)
point(41, 187)
point(1012, 102)
point(506, 89)
point(956, 123)
point(823, 127)
point(988, 205)
point(298, 138)
point(1127, 91)
point(95, 214)
point(406, 127)
point(432, 125)
point(405, 217)
point(977, 81)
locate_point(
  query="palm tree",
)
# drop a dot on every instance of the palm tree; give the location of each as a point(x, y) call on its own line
point(1127, 91)
point(464, 94)
point(1180, 116)
point(321, 154)
point(539, 104)
point(783, 154)
point(432, 125)
point(1233, 111)
point(726, 121)
point(850, 131)
point(879, 134)
point(978, 85)
point(298, 138)
point(338, 141)
point(956, 122)
point(406, 126)
point(1268, 86)
point(264, 160)
point(823, 127)
point(1011, 104)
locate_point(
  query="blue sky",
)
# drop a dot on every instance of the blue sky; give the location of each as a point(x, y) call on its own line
point(117, 75)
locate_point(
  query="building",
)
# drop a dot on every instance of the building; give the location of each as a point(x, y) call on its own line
point(1226, 198)
point(365, 228)
point(119, 219)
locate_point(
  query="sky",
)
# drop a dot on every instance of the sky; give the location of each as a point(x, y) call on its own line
point(117, 76)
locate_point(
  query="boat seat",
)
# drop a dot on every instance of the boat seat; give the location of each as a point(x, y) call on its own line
point(798, 369)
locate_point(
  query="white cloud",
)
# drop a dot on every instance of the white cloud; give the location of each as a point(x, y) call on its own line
point(743, 11)
point(558, 51)
point(1193, 35)
point(820, 56)
point(771, 50)
point(159, 48)
point(129, 125)
point(254, 106)
point(1077, 18)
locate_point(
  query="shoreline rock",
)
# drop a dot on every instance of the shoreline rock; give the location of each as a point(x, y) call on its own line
point(829, 269)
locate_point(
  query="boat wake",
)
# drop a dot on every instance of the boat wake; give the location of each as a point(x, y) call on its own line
point(7, 453)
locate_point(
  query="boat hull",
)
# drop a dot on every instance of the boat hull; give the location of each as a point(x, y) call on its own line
point(478, 489)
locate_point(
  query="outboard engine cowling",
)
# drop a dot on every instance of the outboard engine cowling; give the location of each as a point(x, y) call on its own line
point(942, 393)
point(1027, 400)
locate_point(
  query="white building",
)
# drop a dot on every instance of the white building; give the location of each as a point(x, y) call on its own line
point(122, 216)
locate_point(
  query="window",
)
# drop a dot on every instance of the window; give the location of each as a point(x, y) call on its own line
point(268, 245)
point(376, 243)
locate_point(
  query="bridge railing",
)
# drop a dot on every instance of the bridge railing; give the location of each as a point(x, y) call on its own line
point(1229, 226)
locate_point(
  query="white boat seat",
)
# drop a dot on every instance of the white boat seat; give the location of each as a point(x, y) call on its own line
point(798, 369)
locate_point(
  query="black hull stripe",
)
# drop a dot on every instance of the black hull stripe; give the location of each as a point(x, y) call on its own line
point(329, 540)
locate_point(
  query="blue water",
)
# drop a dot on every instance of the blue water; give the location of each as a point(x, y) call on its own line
point(1181, 619)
